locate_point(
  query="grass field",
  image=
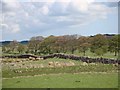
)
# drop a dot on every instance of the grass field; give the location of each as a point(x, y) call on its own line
point(38, 74)
point(80, 80)
point(93, 55)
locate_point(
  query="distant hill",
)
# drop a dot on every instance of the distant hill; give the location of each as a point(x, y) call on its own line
point(24, 42)
point(107, 35)
point(7, 42)
point(4, 43)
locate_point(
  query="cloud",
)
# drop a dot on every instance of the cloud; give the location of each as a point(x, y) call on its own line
point(45, 10)
point(37, 17)
point(113, 0)
point(4, 25)
point(15, 28)
point(10, 6)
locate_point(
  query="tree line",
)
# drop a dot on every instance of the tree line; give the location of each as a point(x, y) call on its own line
point(98, 44)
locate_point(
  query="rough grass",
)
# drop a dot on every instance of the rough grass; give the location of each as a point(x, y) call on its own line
point(70, 69)
point(80, 80)
point(10, 71)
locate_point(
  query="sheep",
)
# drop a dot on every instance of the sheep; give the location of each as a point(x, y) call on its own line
point(50, 63)
point(31, 58)
point(38, 58)
point(84, 64)
point(57, 64)
point(92, 64)
point(41, 58)
point(116, 65)
point(51, 66)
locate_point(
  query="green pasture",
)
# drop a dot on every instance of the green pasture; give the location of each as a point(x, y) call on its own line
point(93, 55)
point(80, 80)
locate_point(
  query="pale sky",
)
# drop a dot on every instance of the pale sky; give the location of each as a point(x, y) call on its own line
point(21, 20)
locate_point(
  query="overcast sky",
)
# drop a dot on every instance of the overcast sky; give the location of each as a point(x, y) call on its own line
point(23, 20)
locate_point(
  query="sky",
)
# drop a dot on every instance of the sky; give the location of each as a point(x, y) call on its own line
point(23, 19)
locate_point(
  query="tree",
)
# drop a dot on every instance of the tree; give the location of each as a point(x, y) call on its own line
point(83, 44)
point(71, 43)
point(47, 45)
point(99, 44)
point(21, 48)
point(12, 47)
point(66, 43)
point(34, 44)
point(61, 44)
point(5, 49)
point(114, 44)
point(39, 38)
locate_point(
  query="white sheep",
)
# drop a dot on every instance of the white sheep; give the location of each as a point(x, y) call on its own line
point(84, 64)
